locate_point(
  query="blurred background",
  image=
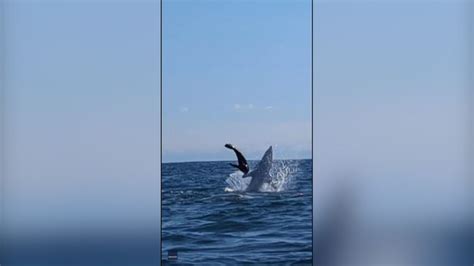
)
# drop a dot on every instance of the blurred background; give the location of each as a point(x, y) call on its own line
point(393, 133)
point(81, 132)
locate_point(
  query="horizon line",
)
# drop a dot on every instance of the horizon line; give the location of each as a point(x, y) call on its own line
point(206, 161)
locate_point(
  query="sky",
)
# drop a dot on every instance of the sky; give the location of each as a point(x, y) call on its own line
point(236, 72)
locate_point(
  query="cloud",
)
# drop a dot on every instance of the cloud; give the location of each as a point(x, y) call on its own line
point(184, 109)
point(238, 106)
point(268, 108)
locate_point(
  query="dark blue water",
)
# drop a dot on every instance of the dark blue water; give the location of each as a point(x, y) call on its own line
point(207, 221)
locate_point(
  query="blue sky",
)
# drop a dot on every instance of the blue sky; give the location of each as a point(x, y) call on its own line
point(236, 72)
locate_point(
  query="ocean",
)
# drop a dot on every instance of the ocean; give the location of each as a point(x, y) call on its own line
point(208, 218)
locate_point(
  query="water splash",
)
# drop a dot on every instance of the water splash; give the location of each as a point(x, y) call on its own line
point(236, 182)
point(281, 175)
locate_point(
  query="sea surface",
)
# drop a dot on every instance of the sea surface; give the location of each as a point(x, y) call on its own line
point(209, 219)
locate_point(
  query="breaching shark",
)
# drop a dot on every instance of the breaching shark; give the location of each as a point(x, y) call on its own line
point(260, 174)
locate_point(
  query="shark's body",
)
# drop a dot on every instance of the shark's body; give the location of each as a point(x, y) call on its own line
point(260, 174)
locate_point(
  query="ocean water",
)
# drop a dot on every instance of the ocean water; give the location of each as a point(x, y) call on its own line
point(208, 218)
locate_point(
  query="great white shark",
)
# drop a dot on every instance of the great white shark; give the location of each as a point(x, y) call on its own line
point(260, 174)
